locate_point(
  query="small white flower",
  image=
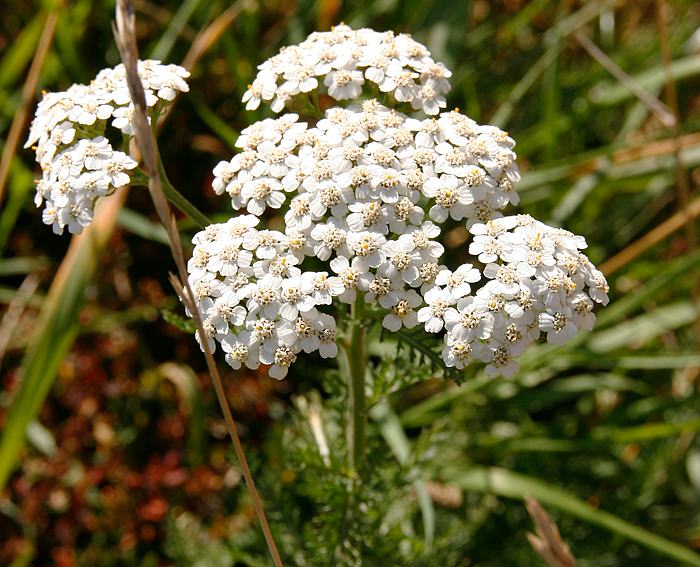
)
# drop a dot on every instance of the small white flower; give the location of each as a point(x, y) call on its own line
point(327, 334)
point(438, 300)
point(115, 166)
point(457, 282)
point(558, 326)
point(402, 313)
point(457, 352)
point(367, 245)
point(471, 320)
point(502, 363)
point(353, 276)
point(240, 350)
point(343, 84)
point(262, 193)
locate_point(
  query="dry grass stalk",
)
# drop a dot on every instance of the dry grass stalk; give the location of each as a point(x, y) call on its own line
point(125, 35)
point(547, 543)
point(11, 318)
point(662, 112)
point(655, 235)
point(683, 188)
point(20, 118)
point(204, 40)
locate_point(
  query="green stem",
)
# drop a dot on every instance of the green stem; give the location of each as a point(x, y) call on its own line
point(356, 356)
point(174, 196)
point(179, 200)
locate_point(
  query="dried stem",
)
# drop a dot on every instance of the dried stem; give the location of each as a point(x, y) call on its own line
point(548, 543)
point(125, 36)
point(30, 84)
point(11, 318)
point(213, 31)
point(683, 189)
point(669, 226)
point(204, 40)
point(654, 104)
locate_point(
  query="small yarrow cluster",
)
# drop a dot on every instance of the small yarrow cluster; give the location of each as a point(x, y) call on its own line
point(537, 284)
point(342, 60)
point(77, 160)
point(366, 191)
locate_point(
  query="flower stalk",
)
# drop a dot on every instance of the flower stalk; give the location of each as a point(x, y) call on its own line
point(356, 356)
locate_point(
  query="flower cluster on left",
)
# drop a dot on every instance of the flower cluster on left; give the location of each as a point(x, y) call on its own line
point(73, 148)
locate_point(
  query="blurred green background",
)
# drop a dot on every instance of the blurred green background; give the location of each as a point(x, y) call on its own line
point(126, 460)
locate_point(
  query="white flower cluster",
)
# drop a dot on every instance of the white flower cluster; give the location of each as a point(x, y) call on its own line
point(364, 191)
point(367, 167)
point(78, 162)
point(256, 301)
point(345, 58)
point(537, 283)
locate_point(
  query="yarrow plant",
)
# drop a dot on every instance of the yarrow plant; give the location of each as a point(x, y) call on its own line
point(361, 193)
point(367, 191)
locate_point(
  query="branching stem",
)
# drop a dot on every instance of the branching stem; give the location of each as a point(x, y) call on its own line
point(173, 195)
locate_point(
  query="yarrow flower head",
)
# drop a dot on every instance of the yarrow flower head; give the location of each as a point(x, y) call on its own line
point(365, 191)
point(342, 60)
point(78, 162)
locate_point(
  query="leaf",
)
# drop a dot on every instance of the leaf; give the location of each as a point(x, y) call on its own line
point(391, 429)
point(185, 324)
point(502, 482)
point(644, 327)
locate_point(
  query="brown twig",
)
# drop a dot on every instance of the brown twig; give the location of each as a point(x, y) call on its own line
point(654, 104)
point(20, 119)
point(548, 543)
point(657, 234)
point(213, 32)
point(125, 35)
point(9, 321)
point(683, 189)
point(203, 41)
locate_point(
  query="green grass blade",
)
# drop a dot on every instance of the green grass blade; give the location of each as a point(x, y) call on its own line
point(218, 126)
point(667, 274)
point(645, 432)
point(20, 266)
point(20, 184)
point(644, 327)
point(55, 332)
point(609, 93)
point(502, 482)
point(142, 226)
point(167, 41)
point(20, 52)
